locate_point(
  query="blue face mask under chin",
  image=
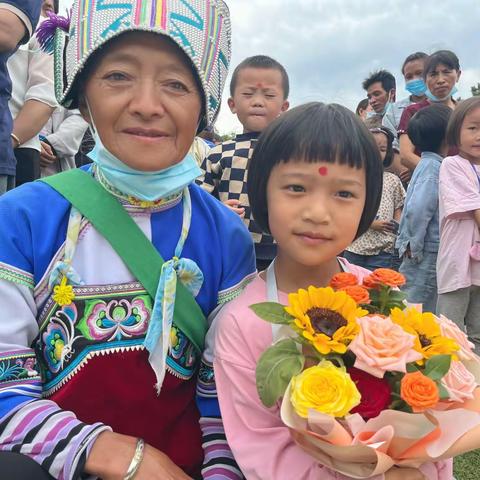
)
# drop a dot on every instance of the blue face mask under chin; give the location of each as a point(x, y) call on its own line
point(435, 99)
point(146, 186)
point(416, 87)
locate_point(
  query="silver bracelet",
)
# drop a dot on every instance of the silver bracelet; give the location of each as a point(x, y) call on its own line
point(136, 460)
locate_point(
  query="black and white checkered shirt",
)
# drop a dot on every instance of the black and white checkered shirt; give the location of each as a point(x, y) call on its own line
point(225, 177)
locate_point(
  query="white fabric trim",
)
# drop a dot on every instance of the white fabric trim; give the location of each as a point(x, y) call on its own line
point(18, 324)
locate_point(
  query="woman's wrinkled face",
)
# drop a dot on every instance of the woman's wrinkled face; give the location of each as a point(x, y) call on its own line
point(144, 101)
point(441, 80)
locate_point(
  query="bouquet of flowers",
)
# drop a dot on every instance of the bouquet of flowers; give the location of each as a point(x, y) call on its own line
point(366, 381)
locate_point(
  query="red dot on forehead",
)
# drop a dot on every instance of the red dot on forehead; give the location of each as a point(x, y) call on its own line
point(323, 171)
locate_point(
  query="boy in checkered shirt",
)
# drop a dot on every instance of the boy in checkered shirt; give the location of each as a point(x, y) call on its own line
point(258, 95)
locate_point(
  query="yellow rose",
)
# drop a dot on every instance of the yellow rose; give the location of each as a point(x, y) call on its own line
point(325, 388)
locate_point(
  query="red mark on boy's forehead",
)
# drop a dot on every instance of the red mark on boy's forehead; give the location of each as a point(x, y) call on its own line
point(323, 171)
point(259, 85)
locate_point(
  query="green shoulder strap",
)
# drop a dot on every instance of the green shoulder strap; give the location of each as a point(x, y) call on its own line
point(111, 220)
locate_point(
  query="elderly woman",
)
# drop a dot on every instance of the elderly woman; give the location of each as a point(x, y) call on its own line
point(100, 345)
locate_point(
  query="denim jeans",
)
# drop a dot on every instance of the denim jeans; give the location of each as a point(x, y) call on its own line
point(421, 286)
point(370, 262)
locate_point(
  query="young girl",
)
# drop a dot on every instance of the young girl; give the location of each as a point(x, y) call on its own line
point(375, 248)
point(458, 265)
point(315, 184)
point(418, 238)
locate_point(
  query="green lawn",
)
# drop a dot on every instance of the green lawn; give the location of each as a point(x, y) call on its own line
point(467, 467)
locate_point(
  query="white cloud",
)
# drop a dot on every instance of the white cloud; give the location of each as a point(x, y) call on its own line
point(329, 46)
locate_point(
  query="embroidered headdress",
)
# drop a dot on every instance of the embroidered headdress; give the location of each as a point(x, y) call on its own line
point(201, 28)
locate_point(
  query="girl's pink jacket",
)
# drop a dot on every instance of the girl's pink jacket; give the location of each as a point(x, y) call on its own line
point(260, 442)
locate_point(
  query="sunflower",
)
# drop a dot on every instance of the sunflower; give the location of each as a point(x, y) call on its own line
point(429, 340)
point(324, 317)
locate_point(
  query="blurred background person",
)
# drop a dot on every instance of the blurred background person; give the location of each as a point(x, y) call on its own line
point(363, 108)
point(31, 105)
point(18, 19)
point(441, 74)
point(60, 141)
point(412, 71)
point(381, 88)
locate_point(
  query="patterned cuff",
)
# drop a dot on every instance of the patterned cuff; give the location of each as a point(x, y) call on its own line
point(218, 463)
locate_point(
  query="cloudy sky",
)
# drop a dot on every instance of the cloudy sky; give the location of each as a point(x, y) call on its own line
point(329, 46)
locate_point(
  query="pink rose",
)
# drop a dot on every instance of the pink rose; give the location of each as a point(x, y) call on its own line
point(459, 382)
point(382, 346)
point(451, 330)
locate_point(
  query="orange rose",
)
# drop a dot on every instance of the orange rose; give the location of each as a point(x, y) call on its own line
point(419, 391)
point(358, 293)
point(343, 279)
point(384, 276)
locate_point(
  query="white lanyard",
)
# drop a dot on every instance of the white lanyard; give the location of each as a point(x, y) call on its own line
point(272, 289)
point(279, 332)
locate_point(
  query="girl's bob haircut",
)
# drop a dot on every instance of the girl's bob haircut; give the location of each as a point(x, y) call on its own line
point(458, 117)
point(316, 132)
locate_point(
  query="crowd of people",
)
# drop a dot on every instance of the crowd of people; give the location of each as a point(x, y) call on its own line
point(127, 345)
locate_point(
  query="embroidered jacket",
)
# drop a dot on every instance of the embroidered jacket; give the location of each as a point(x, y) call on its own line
point(87, 357)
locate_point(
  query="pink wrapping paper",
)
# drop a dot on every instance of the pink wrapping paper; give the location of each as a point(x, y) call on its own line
point(362, 449)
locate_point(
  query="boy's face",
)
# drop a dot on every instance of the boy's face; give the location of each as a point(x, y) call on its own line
point(258, 98)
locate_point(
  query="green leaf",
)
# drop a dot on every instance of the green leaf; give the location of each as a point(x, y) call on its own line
point(272, 312)
point(412, 368)
point(442, 392)
point(397, 296)
point(374, 296)
point(275, 369)
point(437, 366)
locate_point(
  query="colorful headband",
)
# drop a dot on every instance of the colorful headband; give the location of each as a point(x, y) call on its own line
point(201, 28)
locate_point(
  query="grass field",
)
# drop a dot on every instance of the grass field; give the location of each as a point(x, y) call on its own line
point(467, 467)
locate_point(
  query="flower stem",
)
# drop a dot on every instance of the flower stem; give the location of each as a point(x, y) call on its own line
point(384, 297)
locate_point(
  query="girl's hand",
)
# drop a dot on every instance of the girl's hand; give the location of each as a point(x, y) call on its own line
point(235, 206)
point(112, 453)
point(396, 473)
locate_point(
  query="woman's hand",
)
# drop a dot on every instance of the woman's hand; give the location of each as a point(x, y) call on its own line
point(112, 453)
point(156, 465)
point(404, 474)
